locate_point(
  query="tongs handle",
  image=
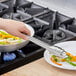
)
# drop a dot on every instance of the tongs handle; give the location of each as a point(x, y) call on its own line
point(52, 49)
point(38, 42)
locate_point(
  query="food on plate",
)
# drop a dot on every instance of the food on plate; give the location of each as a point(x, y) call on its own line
point(70, 59)
point(55, 60)
point(6, 38)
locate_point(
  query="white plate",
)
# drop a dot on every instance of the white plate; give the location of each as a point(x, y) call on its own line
point(69, 46)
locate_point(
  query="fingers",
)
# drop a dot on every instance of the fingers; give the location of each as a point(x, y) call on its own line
point(26, 31)
point(21, 35)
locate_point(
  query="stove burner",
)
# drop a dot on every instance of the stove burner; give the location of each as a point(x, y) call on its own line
point(53, 35)
point(39, 27)
point(21, 17)
point(59, 35)
point(48, 35)
point(16, 16)
point(9, 56)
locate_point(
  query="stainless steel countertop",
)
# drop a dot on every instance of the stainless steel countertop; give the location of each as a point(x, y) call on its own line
point(66, 7)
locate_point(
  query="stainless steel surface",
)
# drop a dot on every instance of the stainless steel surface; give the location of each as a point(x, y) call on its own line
point(66, 7)
point(52, 49)
point(13, 47)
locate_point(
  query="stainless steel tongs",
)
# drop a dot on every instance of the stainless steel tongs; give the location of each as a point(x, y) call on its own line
point(55, 50)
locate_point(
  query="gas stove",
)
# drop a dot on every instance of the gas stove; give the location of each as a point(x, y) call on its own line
point(50, 26)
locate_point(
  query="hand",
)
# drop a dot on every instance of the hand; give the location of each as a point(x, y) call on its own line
point(15, 28)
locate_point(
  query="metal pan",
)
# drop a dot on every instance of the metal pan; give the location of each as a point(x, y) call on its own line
point(13, 47)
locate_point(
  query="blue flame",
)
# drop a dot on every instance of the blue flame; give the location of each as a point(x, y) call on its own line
point(9, 56)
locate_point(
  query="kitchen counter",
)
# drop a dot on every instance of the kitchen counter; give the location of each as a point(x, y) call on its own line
point(39, 68)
